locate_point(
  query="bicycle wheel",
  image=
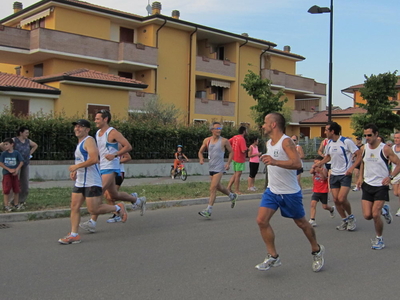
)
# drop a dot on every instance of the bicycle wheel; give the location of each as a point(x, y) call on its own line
point(183, 174)
point(172, 173)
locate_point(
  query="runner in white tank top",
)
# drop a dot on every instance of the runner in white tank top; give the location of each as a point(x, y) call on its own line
point(106, 147)
point(88, 176)
point(396, 180)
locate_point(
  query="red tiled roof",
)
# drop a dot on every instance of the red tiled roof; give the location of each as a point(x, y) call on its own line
point(322, 116)
point(87, 74)
point(13, 82)
point(356, 87)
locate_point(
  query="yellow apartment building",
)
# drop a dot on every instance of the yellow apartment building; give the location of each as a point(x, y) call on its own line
point(104, 58)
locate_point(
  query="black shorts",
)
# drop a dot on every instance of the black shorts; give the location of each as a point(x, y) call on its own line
point(212, 173)
point(299, 171)
point(90, 191)
point(253, 169)
point(337, 181)
point(323, 197)
point(373, 193)
point(119, 179)
point(328, 166)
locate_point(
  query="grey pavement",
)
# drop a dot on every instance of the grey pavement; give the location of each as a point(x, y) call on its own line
point(175, 254)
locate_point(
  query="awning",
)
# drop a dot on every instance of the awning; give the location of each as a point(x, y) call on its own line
point(36, 17)
point(223, 84)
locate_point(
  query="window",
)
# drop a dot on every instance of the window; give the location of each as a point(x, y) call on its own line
point(125, 35)
point(228, 123)
point(19, 107)
point(38, 24)
point(305, 131)
point(126, 74)
point(218, 91)
point(38, 70)
point(93, 109)
point(323, 135)
point(221, 53)
point(199, 121)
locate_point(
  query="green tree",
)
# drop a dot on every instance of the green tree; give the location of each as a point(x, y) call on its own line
point(376, 91)
point(267, 101)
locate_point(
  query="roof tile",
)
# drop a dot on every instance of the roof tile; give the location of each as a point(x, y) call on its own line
point(16, 81)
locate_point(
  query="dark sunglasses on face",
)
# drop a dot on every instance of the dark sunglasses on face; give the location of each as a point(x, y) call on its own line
point(368, 135)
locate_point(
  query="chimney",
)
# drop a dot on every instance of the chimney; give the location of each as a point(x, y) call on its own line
point(176, 14)
point(286, 48)
point(245, 34)
point(17, 6)
point(156, 8)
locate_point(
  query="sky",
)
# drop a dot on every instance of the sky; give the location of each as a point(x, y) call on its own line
point(366, 34)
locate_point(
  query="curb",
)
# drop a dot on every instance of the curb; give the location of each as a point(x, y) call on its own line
point(64, 213)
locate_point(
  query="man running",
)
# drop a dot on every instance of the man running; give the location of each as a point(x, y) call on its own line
point(108, 139)
point(339, 151)
point(88, 184)
point(396, 179)
point(374, 181)
point(239, 148)
point(216, 145)
point(283, 192)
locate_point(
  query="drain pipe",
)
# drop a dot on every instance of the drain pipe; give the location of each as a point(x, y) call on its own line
point(269, 47)
point(238, 88)
point(190, 74)
point(155, 79)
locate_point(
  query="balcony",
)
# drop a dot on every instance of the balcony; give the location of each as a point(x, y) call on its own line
point(293, 82)
point(215, 66)
point(40, 44)
point(214, 107)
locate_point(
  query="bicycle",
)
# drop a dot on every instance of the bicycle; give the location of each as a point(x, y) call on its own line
point(180, 171)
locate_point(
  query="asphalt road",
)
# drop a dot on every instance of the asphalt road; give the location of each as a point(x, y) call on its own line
point(175, 254)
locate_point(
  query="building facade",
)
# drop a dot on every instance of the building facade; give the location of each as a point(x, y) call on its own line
point(197, 68)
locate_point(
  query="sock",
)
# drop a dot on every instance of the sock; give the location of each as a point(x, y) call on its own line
point(379, 237)
point(209, 208)
point(315, 252)
point(74, 234)
point(117, 208)
point(350, 216)
point(93, 222)
point(312, 219)
point(138, 201)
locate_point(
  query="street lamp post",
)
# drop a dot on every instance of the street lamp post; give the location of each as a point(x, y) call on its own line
point(320, 10)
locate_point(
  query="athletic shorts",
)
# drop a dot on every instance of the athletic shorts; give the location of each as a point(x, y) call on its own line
point(337, 181)
point(328, 166)
point(238, 166)
point(373, 193)
point(110, 171)
point(299, 171)
point(90, 191)
point(10, 182)
point(212, 173)
point(119, 179)
point(320, 197)
point(253, 169)
point(291, 205)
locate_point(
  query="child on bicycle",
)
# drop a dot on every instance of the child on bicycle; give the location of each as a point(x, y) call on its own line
point(179, 156)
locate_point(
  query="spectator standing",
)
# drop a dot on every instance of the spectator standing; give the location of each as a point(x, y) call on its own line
point(254, 163)
point(11, 161)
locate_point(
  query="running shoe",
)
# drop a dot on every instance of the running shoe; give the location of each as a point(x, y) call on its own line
point(268, 263)
point(21, 206)
point(377, 244)
point(88, 226)
point(233, 198)
point(69, 239)
point(351, 223)
point(7, 208)
point(387, 214)
point(342, 226)
point(114, 219)
point(205, 213)
point(355, 189)
point(318, 259)
point(398, 213)
point(312, 222)
point(333, 212)
point(122, 212)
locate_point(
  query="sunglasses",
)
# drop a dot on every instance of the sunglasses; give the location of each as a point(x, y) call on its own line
point(217, 128)
point(294, 140)
point(368, 135)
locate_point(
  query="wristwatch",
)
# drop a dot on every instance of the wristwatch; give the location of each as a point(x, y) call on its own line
point(391, 177)
point(115, 155)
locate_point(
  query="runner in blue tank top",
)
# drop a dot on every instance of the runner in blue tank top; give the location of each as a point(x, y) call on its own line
point(87, 186)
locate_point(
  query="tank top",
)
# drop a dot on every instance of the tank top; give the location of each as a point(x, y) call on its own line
point(89, 176)
point(255, 159)
point(280, 180)
point(105, 147)
point(375, 165)
point(216, 156)
point(23, 148)
point(394, 165)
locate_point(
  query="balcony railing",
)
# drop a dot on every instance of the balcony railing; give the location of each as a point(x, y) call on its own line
point(215, 66)
point(214, 107)
point(294, 82)
point(67, 44)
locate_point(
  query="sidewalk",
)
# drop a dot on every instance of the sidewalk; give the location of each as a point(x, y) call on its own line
point(58, 213)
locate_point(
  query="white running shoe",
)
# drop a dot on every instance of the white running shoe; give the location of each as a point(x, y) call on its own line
point(88, 226)
point(333, 212)
point(312, 222)
point(387, 214)
point(398, 213)
point(318, 259)
point(269, 262)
